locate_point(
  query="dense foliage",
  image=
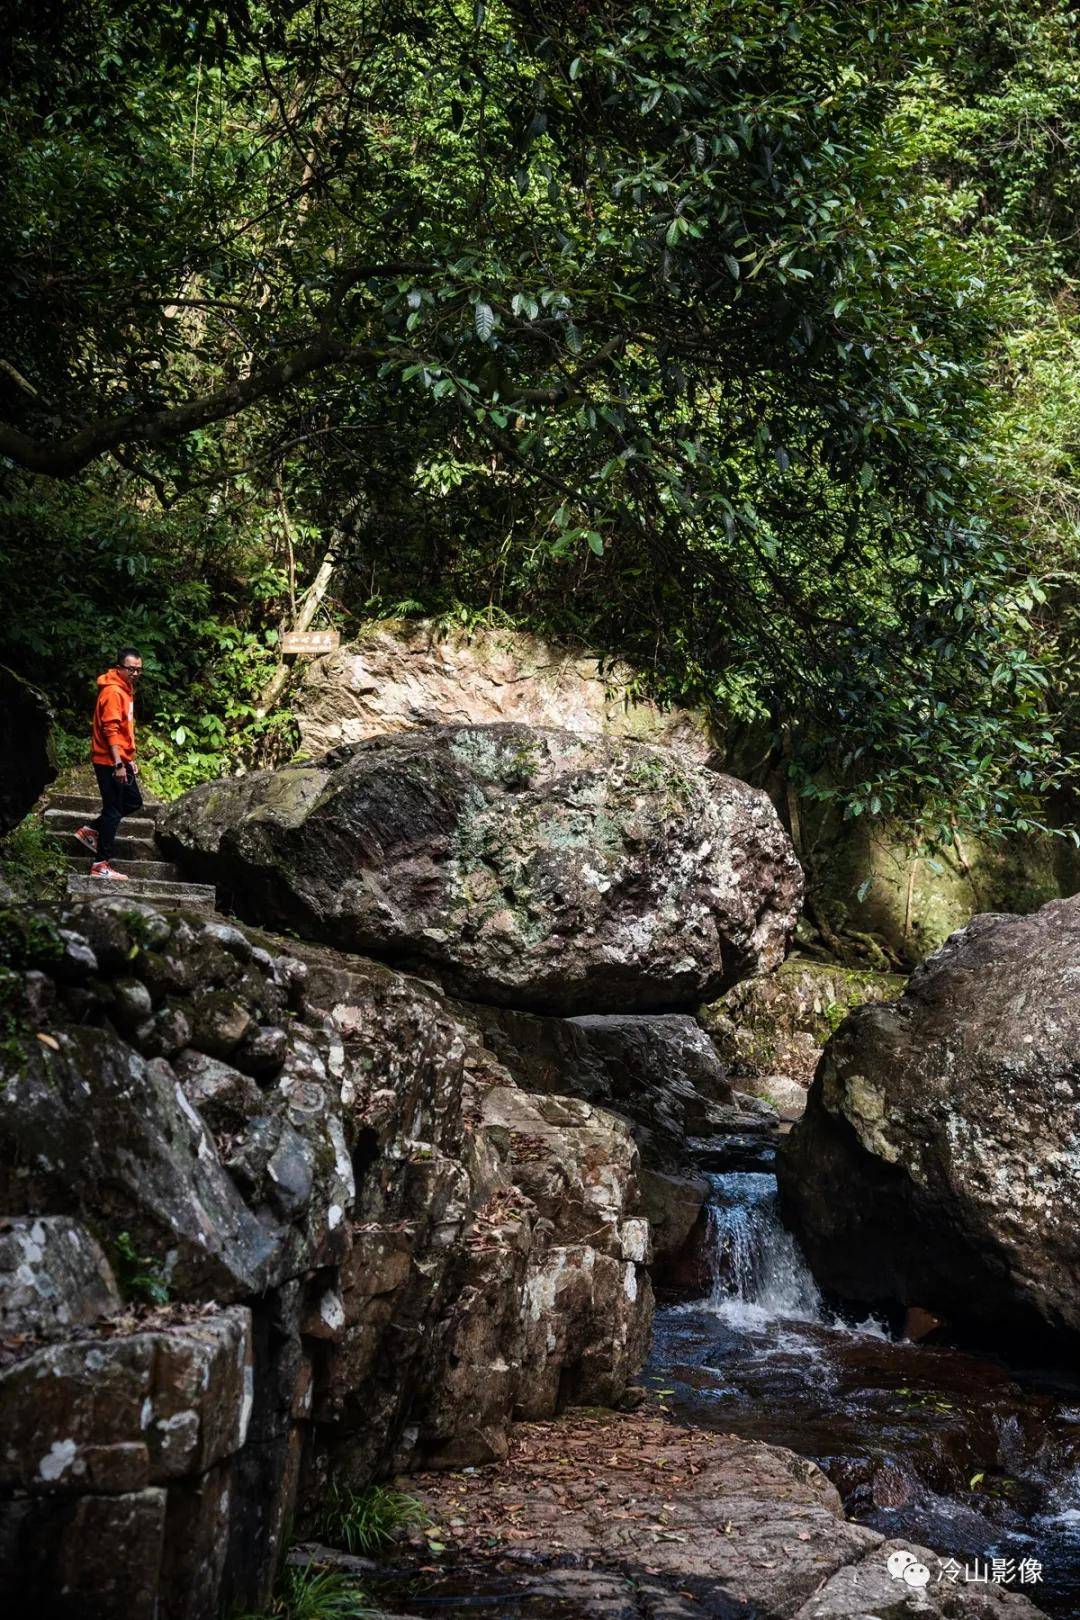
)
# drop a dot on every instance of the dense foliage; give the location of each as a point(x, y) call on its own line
point(729, 337)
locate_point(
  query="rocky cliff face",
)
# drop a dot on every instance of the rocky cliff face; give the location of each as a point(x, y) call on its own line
point(937, 1162)
point(526, 867)
point(356, 1241)
point(398, 676)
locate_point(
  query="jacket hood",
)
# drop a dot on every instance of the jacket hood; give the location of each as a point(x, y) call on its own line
point(113, 677)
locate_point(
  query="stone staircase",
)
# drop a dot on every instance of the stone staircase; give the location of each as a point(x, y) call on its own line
point(150, 878)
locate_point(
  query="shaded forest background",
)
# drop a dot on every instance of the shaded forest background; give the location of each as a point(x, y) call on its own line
point(741, 340)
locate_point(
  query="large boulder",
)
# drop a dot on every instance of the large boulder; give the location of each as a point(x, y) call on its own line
point(397, 676)
point(27, 752)
point(526, 867)
point(938, 1162)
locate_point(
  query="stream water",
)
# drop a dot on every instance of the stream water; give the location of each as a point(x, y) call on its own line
point(978, 1460)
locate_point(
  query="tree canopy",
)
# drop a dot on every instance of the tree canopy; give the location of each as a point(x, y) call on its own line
point(704, 333)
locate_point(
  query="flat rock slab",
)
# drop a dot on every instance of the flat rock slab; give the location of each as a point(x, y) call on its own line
point(607, 1511)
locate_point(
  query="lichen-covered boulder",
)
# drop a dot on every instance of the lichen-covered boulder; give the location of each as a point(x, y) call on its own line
point(53, 1276)
point(938, 1161)
point(27, 752)
point(89, 1127)
point(527, 867)
point(119, 1467)
point(127, 1409)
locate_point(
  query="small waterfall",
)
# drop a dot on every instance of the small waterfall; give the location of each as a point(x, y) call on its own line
point(758, 1271)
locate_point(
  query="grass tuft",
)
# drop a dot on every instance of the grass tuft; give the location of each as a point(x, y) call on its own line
point(366, 1521)
point(307, 1593)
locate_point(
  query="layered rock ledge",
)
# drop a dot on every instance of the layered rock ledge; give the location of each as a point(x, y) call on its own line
point(365, 1246)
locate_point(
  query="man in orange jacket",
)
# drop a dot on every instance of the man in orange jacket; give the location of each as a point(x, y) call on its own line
point(112, 749)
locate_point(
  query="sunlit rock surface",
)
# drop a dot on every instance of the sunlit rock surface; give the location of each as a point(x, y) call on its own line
point(398, 675)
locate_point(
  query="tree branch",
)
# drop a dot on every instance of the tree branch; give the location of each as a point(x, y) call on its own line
point(61, 458)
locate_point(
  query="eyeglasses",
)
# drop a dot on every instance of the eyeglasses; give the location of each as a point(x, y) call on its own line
point(131, 669)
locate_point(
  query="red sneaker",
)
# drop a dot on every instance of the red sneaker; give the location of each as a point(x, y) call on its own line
point(102, 869)
point(88, 839)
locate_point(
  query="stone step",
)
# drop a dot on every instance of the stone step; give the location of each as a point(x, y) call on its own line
point(160, 871)
point(60, 821)
point(89, 805)
point(128, 849)
point(170, 896)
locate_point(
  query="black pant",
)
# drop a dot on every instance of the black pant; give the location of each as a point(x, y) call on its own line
point(118, 799)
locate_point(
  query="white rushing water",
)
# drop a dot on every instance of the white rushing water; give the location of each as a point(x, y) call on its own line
point(758, 1270)
point(760, 1277)
point(1061, 1510)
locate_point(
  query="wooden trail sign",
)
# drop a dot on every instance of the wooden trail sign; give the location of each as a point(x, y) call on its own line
point(310, 641)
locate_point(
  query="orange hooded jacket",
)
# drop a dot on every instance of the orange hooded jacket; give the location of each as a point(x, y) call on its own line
point(114, 719)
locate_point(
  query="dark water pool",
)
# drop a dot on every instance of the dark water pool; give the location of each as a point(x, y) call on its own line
point(975, 1459)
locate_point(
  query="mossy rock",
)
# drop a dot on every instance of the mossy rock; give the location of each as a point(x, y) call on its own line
point(778, 1024)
